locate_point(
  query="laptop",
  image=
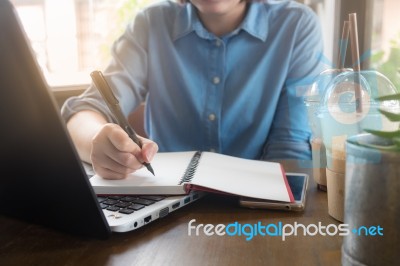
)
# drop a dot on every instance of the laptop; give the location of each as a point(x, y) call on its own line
point(43, 180)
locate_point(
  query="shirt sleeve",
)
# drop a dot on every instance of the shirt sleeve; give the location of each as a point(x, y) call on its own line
point(126, 75)
point(289, 135)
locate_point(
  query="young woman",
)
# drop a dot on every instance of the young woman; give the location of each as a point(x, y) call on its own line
point(216, 75)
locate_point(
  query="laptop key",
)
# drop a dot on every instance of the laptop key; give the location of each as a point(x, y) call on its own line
point(103, 206)
point(128, 198)
point(126, 211)
point(153, 197)
point(122, 204)
point(143, 201)
point(110, 202)
point(136, 207)
point(113, 208)
point(101, 199)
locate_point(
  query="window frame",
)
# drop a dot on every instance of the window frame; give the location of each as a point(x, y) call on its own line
point(364, 10)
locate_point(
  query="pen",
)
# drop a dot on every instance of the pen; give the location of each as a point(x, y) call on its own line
point(113, 105)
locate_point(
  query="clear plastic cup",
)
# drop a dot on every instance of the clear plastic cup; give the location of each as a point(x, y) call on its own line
point(339, 119)
point(312, 102)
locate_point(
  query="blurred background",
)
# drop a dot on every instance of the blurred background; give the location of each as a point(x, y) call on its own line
point(73, 37)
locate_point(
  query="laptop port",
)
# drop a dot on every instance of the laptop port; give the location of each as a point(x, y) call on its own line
point(176, 205)
point(163, 212)
point(186, 200)
point(147, 219)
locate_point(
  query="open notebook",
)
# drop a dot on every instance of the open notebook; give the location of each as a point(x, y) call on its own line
point(180, 172)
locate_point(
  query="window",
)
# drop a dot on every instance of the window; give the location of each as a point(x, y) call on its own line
point(72, 37)
point(385, 43)
point(324, 10)
point(379, 34)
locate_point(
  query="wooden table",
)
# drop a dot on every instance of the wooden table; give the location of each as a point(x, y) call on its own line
point(166, 241)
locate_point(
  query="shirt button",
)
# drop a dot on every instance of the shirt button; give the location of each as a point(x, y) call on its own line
point(218, 43)
point(216, 80)
point(212, 117)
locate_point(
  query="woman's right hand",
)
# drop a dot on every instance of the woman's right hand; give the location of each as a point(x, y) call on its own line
point(114, 155)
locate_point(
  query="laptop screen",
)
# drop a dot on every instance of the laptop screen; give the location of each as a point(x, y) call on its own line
point(42, 179)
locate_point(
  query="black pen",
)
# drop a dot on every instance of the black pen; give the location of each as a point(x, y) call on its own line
point(113, 105)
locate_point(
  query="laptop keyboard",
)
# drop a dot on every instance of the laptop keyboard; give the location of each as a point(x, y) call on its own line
point(127, 204)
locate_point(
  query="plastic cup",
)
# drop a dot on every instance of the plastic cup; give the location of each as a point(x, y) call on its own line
point(340, 119)
point(312, 102)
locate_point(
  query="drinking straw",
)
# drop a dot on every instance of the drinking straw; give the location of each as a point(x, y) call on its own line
point(355, 55)
point(343, 44)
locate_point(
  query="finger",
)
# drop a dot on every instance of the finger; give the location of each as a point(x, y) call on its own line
point(102, 160)
point(121, 141)
point(108, 174)
point(121, 147)
point(125, 168)
point(102, 148)
point(123, 158)
point(149, 149)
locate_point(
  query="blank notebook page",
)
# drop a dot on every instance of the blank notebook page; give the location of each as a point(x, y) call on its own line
point(226, 173)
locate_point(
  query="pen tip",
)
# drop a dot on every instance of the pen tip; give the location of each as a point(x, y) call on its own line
point(148, 166)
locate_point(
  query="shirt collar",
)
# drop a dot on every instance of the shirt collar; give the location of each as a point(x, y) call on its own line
point(255, 23)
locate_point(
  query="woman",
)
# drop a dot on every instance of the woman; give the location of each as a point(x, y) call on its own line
point(218, 75)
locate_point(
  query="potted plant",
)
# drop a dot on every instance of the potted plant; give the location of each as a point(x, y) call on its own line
point(372, 195)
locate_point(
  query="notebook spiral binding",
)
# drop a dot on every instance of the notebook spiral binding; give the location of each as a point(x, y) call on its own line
point(191, 169)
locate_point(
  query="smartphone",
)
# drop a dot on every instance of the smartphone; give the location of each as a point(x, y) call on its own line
point(298, 184)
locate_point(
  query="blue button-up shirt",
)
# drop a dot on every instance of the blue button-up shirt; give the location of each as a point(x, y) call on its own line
point(239, 94)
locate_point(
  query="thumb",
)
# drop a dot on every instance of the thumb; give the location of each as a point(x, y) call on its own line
point(149, 149)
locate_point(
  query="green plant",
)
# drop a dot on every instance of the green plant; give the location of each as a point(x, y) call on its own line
point(388, 63)
point(392, 136)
